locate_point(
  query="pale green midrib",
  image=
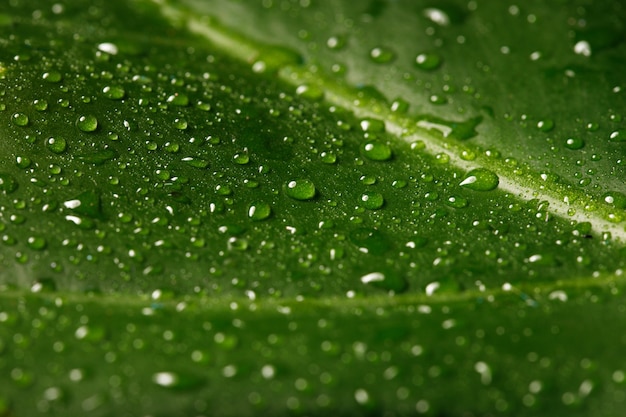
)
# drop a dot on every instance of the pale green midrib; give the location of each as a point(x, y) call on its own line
point(533, 293)
point(530, 187)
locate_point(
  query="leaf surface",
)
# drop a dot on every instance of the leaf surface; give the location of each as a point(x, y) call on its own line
point(228, 208)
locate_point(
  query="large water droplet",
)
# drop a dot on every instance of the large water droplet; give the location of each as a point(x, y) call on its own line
point(480, 179)
point(574, 143)
point(382, 55)
point(178, 100)
point(301, 189)
point(114, 92)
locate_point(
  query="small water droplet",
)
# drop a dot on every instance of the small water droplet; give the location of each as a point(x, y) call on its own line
point(301, 189)
point(177, 381)
point(456, 202)
point(259, 211)
point(40, 104)
point(310, 92)
point(480, 179)
point(372, 201)
point(382, 55)
point(87, 123)
point(386, 281)
point(328, 157)
point(108, 47)
point(114, 92)
point(44, 285)
point(428, 61)
point(196, 162)
point(241, 158)
point(52, 76)
point(180, 124)
point(376, 151)
point(177, 99)
point(615, 199)
point(57, 144)
point(36, 243)
point(545, 125)
point(336, 42)
point(20, 119)
point(618, 135)
point(574, 143)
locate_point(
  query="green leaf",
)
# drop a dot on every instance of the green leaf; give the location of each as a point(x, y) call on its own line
point(312, 208)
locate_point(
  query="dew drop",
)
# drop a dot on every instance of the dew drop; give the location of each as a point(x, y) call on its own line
point(177, 99)
point(382, 55)
point(545, 125)
point(428, 61)
point(40, 105)
point(615, 199)
point(57, 145)
point(310, 92)
point(196, 162)
point(36, 243)
point(113, 92)
point(456, 202)
point(180, 124)
point(177, 381)
point(328, 157)
point(87, 123)
point(385, 281)
point(372, 201)
point(241, 158)
point(376, 151)
point(574, 143)
point(301, 189)
point(336, 42)
point(44, 285)
point(108, 47)
point(52, 76)
point(618, 136)
point(20, 119)
point(480, 179)
point(372, 125)
point(259, 211)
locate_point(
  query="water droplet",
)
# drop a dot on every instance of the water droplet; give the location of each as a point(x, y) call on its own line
point(336, 42)
point(52, 76)
point(108, 47)
point(301, 189)
point(615, 199)
point(44, 285)
point(372, 125)
point(376, 151)
point(428, 61)
point(458, 130)
point(177, 381)
point(618, 136)
point(196, 162)
point(399, 105)
point(180, 124)
point(372, 201)
point(310, 92)
point(37, 243)
point(456, 202)
point(382, 55)
point(328, 157)
point(574, 143)
point(90, 333)
point(114, 92)
point(22, 162)
point(582, 48)
point(87, 123)
point(480, 179)
point(385, 281)
point(57, 145)
point(545, 125)
point(259, 211)
point(241, 158)
point(8, 183)
point(178, 100)
point(40, 105)
point(20, 119)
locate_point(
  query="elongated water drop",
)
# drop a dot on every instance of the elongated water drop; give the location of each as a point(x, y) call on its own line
point(301, 189)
